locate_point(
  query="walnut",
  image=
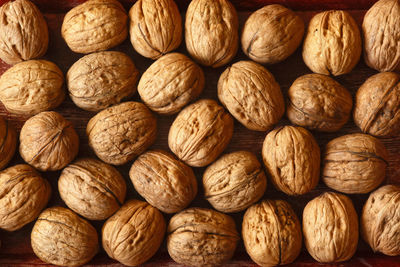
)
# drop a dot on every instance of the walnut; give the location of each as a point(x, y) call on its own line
point(120, 133)
point(31, 87)
point(23, 195)
point(271, 34)
point(166, 183)
point(330, 228)
point(200, 133)
point(319, 103)
point(155, 27)
point(380, 220)
point(251, 95)
point(170, 83)
point(48, 142)
point(102, 79)
point(95, 25)
point(234, 182)
point(292, 158)
point(211, 32)
point(134, 233)
point(332, 44)
point(61, 237)
point(201, 237)
point(8, 142)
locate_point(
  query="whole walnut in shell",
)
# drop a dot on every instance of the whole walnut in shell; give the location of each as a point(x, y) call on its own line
point(8, 142)
point(251, 95)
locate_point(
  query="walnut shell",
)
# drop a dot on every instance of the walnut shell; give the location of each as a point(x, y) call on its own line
point(31, 87)
point(200, 133)
point(271, 34)
point(134, 233)
point(23, 195)
point(201, 237)
point(95, 25)
point(8, 142)
point(319, 103)
point(170, 83)
point(234, 182)
point(155, 27)
point(332, 44)
point(292, 158)
point(211, 32)
point(272, 233)
point(330, 228)
point(102, 79)
point(48, 142)
point(61, 237)
point(120, 133)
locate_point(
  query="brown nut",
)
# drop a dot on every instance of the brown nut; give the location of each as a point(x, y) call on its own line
point(211, 32)
point(134, 233)
point(234, 182)
point(201, 237)
point(330, 228)
point(170, 83)
point(271, 34)
point(23, 195)
point(155, 27)
point(8, 142)
point(200, 133)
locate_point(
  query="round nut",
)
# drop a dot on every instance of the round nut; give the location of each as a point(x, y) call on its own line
point(8, 142)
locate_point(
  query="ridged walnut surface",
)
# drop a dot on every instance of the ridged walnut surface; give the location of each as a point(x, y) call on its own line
point(8, 142)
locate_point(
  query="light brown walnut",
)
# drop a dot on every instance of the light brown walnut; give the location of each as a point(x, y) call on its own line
point(8, 142)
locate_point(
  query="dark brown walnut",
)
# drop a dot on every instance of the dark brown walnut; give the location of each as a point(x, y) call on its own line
point(201, 237)
point(95, 25)
point(211, 32)
point(134, 233)
point(271, 34)
point(102, 79)
point(8, 142)
point(120, 133)
point(319, 103)
point(200, 133)
point(234, 182)
point(292, 158)
point(170, 83)
point(61, 237)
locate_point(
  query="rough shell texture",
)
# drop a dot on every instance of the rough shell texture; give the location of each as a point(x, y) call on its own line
point(102, 79)
point(292, 158)
point(120, 133)
point(271, 34)
point(234, 182)
point(200, 133)
point(61, 237)
point(211, 32)
point(201, 237)
point(134, 233)
point(8, 142)
point(48, 142)
point(330, 228)
point(170, 83)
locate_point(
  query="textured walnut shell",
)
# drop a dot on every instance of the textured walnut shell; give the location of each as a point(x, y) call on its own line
point(332, 44)
point(200, 133)
point(170, 83)
point(61, 237)
point(380, 220)
point(31, 87)
point(271, 233)
point(211, 32)
point(23, 195)
point(23, 32)
point(102, 79)
point(319, 103)
point(234, 182)
point(271, 34)
point(8, 142)
point(155, 27)
point(292, 158)
point(95, 25)
point(201, 237)
point(330, 228)
point(134, 233)
point(48, 142)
